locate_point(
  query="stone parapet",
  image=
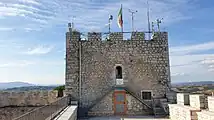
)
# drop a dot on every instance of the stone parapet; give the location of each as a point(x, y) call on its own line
point(205, 115)
point(183, 98)
point(181, 112)
point(138, 36)
point(28, 98)
point(197, 101)
point(94, 36)
point(116, 36)
point(211, 103)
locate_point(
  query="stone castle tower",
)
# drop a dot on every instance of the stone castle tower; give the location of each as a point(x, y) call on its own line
point(117, 76)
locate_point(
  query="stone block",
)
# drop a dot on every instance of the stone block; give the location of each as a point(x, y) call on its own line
point(205, 115)
point(75, 36)
point(116, 36)
point(183, 98)
point(182, 112)
point(211, 103)
point(197, 101)
point(94, 36)
point(138, 36)
point(160, 36)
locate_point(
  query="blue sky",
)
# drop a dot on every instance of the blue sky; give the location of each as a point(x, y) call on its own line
point(32, 34)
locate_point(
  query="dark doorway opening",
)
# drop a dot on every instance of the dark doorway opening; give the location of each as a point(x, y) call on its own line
point(119, 72)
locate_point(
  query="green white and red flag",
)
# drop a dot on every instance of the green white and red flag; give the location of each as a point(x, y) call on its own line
point(120, 18)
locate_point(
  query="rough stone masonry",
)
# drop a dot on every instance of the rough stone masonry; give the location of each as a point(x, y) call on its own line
point(91, 71)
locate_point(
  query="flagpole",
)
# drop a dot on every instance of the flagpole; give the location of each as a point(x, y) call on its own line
point(148, 18)
point(122, 18)
point(109, 26)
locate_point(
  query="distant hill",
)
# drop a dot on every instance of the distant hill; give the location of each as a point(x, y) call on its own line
point(7, 85)
point(194, 83)
point(30, 88)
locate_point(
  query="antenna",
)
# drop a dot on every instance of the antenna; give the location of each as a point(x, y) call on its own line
point(153, 30)
point(132, 12)
point(109, 22)
point(73, 22)
point(69, 27)
point(159, 21)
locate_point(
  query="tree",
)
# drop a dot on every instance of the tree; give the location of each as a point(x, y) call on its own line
point(60, 90)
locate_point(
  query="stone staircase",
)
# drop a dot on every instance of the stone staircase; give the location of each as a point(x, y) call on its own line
point(160, 107)
point(137, 97)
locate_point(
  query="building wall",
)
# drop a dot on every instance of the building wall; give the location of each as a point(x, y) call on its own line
point(145, 64)
point(28, 98)
point(106, 107)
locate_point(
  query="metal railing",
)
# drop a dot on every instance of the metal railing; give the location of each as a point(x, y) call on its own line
point(47, 112)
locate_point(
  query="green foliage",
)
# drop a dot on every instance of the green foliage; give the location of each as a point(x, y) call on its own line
point(60, 88)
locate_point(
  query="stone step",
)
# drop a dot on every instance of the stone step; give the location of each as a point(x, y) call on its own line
point(159, 111)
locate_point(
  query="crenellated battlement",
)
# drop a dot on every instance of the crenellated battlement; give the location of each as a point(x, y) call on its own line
point(116, 36)
point(138, 36)
point(94, 36)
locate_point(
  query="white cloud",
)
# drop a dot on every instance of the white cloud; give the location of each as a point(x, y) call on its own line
point(211, 70)
point(208, 61)
point(211, 66)
point(6, 29)
point(55, 12)
point(192, 48)
point(9, 11)
point(35, 2)
point(186, 65)
point(177, 74)
point(39, 50)
point(16, 64)
point(32, 29)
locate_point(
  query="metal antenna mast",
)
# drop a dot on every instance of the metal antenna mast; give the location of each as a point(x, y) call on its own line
point(132, 12)
point(159, 21)
point(109, 23)
point(148, 16)
point(73, 22)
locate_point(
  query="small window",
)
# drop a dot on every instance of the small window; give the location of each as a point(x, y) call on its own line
point(146, 95)
point(118, 72)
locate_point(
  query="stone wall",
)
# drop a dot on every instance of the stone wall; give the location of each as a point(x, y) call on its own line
point(135, 107)
point(197, 101)
point(182, 112)
point(145, 65)
point(106, 107)
point(28, 98)
point(183, 98)
point(8, 113)
point(205, 115)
